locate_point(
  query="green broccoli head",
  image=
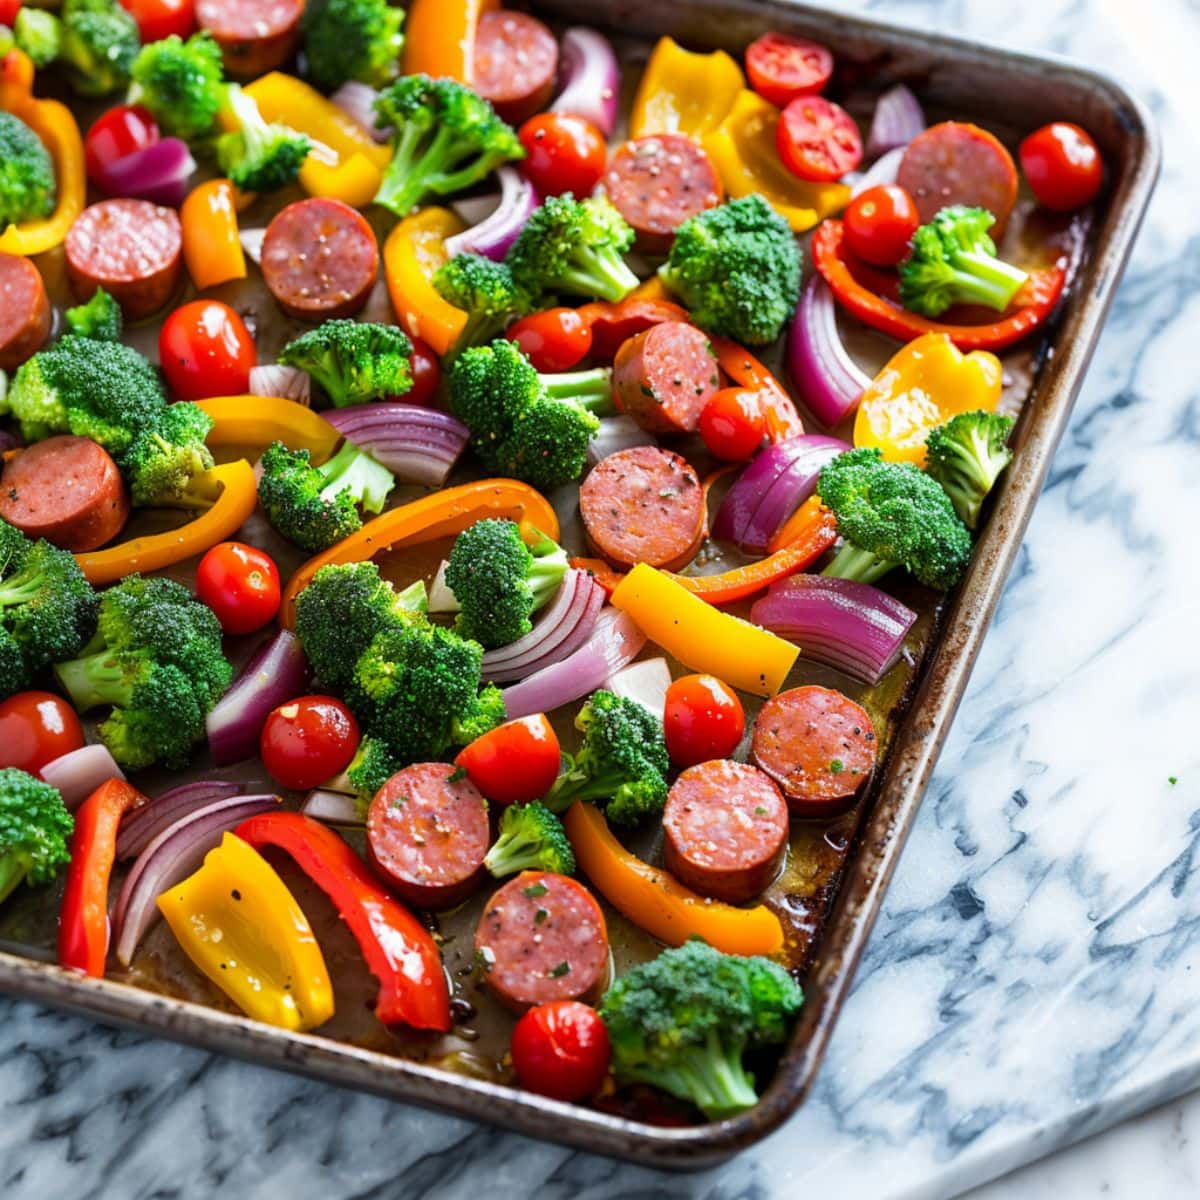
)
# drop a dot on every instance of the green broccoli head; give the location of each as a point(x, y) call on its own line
point(531, 838)
point(35, 829)
point(99, 44)
point(372, 766)
point(354, 361)
point(481, 716)
point(353, 39)
point(27, 179)
point(39, 34)
point(966, 456)
point(100, 318)
point(485, 290)
point(259, 156)
point(169, 464)
point(181, 83)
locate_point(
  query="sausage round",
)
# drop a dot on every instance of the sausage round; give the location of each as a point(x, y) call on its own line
point(131, 249)
point(24, 311)
point(67, 490)
point(516, 60)
point(659, 181)
point(255, 36)
point(320, 259)
point(725, 830)
point(818, 745)
point(643, 505)
point(427, 835)
point(665, 376)
point(542, 937)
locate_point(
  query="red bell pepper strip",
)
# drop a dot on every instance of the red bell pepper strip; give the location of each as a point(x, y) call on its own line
point(1034, 302)
point(606, 575)
point(783, 421)
point(399, 951)
point(83, 927)
point(614, 324)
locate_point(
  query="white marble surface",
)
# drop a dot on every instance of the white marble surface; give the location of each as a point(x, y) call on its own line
point(1031, 978)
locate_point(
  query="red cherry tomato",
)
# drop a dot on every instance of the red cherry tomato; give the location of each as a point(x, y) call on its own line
point(426, 373)
point(117, 133)
point(818, 140)
point(879, 224)
point(308, 740)
point(782, 67)
point(1063, 166)
point(514, 763)
point(8, 11)
point(563, 153)
point(36, 728)
point(703, 719)
point(732, 423)
point(561, 1049)
point(157, 19)
point(555, 340)
point(240, 584)
point(206, 350)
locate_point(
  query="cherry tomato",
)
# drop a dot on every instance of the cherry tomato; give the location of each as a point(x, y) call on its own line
point(426, 373)
point(157, 19)
point(703, 719)
point(880, 223)
point(782, 67)
point(308, 740)
point(1063, 166)
point(732, 423)
point(818, 140)
point(563, 154)
point(117, 133)
point(206, 350)
point(514, 763)
point(8, 11)
point(555, 340)
point(36, 728)
point(240, 584)
point(560, 1049)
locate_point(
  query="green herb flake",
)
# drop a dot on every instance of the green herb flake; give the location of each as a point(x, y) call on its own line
point(534, 890)
point(836, 767)
point(760, 811)
point(563, 968)
point(457, 775)
point(540, 915)
point(1172, 779)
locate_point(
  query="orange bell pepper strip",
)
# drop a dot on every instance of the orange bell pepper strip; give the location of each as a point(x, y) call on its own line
point(254, 422)
point(605, 574)
point(783, 421)
point(412, 253)
point(656, 901)
point(439, 37)
point(211, 247)
point(684, 92)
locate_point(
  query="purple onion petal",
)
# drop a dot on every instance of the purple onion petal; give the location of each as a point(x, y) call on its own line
point(593, 79)
point(144, 824)
point(496, 233)
point(158, 173)
point(898, 118)
point(79, 773)
point(829, 381)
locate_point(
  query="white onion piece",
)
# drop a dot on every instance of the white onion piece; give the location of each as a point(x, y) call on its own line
point(252, 243)
point(474, 209)
point(617, 433)
point(883, 170)
point(277, 380)
point(593, 79)
point(334, 808)
point(79, 773)
point(441, 598)
point(357, 101)
point(646, 682)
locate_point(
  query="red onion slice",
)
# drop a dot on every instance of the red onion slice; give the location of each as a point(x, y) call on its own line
point(357, 101)
point(277, 380)
point(593, 79)
point(829, 380)
point(790, 488)
point(78, 774)
point(496, 232)
point(898, 118)
point(882, 170)
point(417, 444)
point(646, 682)
point(334, 808)
point(144, 824)
point(158, 173)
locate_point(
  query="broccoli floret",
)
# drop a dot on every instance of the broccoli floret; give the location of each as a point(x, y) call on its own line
point(354, 361)
point(953, 261)
point(622, 762)
point(34, 830)
point(531, 838)
point(259, 156)
point(100, 318)
point(169, 464)
point(353, 39)
point(683, 1021)
point(446, 138)
point(181, 83)
point(372, 766)
point(481, 716)
point(99, 44)
point(485, 290)
point(892, 515)
point(39, 34)
point(737, 269)
point(966, 456)
point(27, 180)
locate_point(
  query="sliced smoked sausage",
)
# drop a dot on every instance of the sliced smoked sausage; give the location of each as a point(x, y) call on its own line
point(643, 505)
point(427, 835)
point(665, 376)
point(818, 745)
point(725, 830)
point(516, 59)
point(255, 36)
point(24, 311)
point(542, 937)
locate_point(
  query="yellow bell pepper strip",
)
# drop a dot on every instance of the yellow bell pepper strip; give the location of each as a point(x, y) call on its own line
point(254, 422)
point(412, 253)
point(702, 637)
point(922, 386)
point(439, 37)
point(656, 901)
point(743, 151)
point(56, 127)
point(442, 514)
point(683, 92)
point(783, 421)
point(238, 923)
point(211, 247)
point(232, 509)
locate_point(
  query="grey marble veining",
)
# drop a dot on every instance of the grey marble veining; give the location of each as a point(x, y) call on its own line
point(1031, 979)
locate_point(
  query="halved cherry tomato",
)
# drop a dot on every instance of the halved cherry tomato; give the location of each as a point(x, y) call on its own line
point(880, 223)
point(703, 719)
point(308, 740)
point(782, 67)
point(157, 19)
point(240, 584)
point(1063, 166)
point(119, 132)
point(564, 153)
point(36, 728)
point(732, 423)
point(561, 1049)
point(555, 340)
point(514, 763)
point(818, 140)
point(426, 373)
point(206, 350)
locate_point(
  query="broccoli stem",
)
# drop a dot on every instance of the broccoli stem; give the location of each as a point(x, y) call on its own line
point(574, 784)
point(589, 389)
point(353, 470)
point(550, 563)
point(513, 852)
point(203, 491)
point(415, 169)
point(601, 271)
point(859, 565)
point(712, 1077)
point(983, 279)
point(13, 869)
point(94, 680)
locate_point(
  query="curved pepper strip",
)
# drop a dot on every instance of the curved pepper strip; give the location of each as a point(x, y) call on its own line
point(398, 949)
point(783, 421)
point(254, 422)
point(1034, 303)
point(614, 324)
point(212, 249)
point(412, 253)
point(439, 37)
point(656, 901)
point(683, 92)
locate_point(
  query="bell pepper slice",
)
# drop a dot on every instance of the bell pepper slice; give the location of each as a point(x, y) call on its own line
point(605, 574)
point(439, 37)
point(783, 421)
point(656, 901)
point(684, 92)
point(412, 253)
point(238, 923)
point(398, 949)
point(614, 324)
point(254, 422)
point(212, 249)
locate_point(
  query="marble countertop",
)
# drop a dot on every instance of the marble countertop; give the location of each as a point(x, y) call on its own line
point(1030, 979)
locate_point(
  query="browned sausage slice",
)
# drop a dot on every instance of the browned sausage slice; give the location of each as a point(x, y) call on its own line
point(516, 59)
point(542, 937)
point(643, 505)
point(255, 36)
point(725, 827)
point(24, 311)
point(427, 835)
point(320, 259)
point(665, 376)
point(818, 745)
point(66, 490)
